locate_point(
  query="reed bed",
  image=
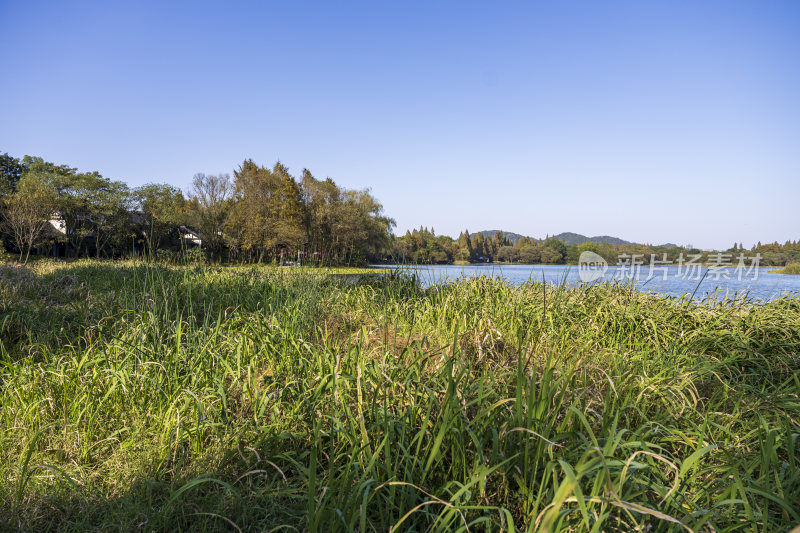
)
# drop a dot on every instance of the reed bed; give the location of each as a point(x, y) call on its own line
point(139, 397)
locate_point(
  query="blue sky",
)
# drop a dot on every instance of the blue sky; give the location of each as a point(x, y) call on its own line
point(651, 121)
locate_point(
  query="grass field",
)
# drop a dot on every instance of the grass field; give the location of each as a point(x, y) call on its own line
point(136, 397)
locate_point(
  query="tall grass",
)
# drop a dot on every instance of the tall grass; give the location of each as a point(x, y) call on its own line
point(139, 397)
point(793, 268)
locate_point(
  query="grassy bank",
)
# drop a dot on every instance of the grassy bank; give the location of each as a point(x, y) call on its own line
point(788, 269)
point(138, 397)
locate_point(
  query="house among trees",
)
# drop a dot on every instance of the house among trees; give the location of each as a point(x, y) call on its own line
point(190, 235)
point(58, 224)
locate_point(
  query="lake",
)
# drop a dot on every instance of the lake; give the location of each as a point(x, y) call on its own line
point(759, 283)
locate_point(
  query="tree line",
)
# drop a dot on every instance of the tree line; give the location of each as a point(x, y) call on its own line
point(261, 214)
point(423, 246)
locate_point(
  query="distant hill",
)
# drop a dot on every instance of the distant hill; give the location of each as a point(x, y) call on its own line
point(567, 237)
point(577, 238)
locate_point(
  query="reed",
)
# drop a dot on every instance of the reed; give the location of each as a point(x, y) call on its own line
point(143, 397)
point(793, 268)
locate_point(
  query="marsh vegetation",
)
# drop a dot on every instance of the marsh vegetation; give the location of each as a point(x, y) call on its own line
point(135, 396)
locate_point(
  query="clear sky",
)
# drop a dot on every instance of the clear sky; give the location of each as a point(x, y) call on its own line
point(652, 121)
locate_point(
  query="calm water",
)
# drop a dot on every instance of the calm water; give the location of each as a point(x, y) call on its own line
point(763, 285)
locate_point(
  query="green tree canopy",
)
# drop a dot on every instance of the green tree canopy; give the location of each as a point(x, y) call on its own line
point(162, 209)
point(28, 212)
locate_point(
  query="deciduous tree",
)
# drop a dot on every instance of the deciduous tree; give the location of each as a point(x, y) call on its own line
point(162, 209)
point(28, 212)
point(210, 205)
